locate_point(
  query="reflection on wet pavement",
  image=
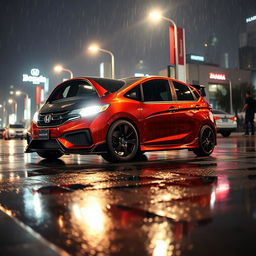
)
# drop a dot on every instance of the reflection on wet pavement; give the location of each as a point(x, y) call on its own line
point(170, 203)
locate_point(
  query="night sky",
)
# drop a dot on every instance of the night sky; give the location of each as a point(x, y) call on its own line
point(41, 33)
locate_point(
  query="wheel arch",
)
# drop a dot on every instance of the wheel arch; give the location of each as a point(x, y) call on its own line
point(129, 120)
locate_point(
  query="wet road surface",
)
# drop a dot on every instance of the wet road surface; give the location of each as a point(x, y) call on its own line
point(167, 203)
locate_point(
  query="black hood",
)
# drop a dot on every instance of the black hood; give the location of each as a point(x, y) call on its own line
point(66, 105)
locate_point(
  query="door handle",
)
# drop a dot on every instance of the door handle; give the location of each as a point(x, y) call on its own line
point(197, 106)
point(172, 109)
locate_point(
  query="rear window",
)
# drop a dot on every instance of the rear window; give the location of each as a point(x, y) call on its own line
point(16, 126)
point(218, 112)
point(74, 89)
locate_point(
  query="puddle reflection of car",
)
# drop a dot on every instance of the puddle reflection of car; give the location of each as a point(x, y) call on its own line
point(225, 123)
point(14, 131)
point(122, 118)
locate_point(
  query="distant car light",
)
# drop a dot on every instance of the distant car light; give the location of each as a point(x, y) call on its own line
point(233, 118)
point(11, 131)
point(217, 118)
point(25, 131)
point(35, 117)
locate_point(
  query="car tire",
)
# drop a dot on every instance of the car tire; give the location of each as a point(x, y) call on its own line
point(122, 142)
point(50, 155)
point(225, 133)
point(206, 141)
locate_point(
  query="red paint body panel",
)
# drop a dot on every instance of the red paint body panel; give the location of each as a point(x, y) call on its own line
point(157, 126)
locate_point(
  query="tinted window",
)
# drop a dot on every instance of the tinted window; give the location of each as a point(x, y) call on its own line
point(72, 89)
point(156, 90)
point(16, 126)
point(134, 93)
point(183, 92)
point(196, 94)
point(110, 85)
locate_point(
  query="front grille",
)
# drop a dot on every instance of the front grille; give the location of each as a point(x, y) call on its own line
point(81, 138)
point(55, 119)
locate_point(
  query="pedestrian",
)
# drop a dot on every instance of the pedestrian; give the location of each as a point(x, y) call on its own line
point(249, 108)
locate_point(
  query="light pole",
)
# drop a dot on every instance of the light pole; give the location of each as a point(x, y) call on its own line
point(155, 15)
point(59, 68)
point(96, 48)
point(230, 95)
point(12, 101)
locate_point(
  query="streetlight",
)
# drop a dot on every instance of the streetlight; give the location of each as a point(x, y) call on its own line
point(26, 110)
point(156, 16)
point(59, 68)
point(12, 101)
point(230, 95)
point(95, 48)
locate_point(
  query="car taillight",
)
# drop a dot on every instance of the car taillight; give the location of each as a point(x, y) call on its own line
point(216, 117)
point(233, 118)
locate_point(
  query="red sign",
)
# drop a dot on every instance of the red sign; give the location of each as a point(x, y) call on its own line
point(180, 42)
point(38, 94)
point(217, 76)
point(181, 57)
point(172, 45)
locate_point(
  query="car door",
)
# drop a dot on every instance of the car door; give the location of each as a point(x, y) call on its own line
point(186, 116)
point(156, 110)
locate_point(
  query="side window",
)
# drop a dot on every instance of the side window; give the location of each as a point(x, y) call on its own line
point(156, 90)
point(196, 94)
point(183, 92)
point(134, 93)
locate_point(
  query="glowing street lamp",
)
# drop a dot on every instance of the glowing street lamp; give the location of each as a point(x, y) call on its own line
point(59, 68)
point(95, 48)
point(157, 16)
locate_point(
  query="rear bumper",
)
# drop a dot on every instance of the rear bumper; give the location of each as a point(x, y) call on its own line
point(220, 130)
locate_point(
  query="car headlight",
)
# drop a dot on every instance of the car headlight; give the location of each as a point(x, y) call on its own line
point(90, 110)
point(25, 131)
point(35, 117)
point(11, 131)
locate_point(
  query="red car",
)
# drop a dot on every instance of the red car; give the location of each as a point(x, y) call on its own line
point(122, 118)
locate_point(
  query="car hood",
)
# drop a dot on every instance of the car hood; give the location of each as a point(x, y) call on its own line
point(66, 105)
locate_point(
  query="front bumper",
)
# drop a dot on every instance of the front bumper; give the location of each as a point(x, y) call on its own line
point(56, 145)
point(17, 136)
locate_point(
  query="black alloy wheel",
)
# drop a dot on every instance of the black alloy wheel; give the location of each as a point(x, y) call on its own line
point(50, 155)
point(206, 141)
point(122, 141)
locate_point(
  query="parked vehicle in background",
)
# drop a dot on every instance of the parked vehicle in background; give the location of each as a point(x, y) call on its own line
point(226, 123)
point(122, 118)
point(1, 133)
point(13, 131)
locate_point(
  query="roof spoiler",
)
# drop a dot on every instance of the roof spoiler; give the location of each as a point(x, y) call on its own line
point(200, 88)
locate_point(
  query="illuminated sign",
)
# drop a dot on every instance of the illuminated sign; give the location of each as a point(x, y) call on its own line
point(197, 58)
point(34, 77)
point(217, 76)
point(253, 18)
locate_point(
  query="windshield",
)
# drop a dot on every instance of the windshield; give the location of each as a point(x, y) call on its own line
point(113, 85)
point(73, 89)
point(16, 126)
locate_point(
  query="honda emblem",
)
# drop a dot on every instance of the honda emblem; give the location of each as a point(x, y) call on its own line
point(47, 119)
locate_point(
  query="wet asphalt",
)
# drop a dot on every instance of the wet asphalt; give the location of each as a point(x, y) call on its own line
point(166, 203)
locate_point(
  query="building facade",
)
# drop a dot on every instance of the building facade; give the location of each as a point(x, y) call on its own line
point(217, 82)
